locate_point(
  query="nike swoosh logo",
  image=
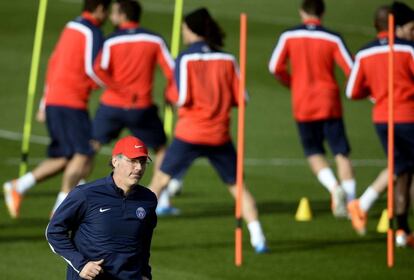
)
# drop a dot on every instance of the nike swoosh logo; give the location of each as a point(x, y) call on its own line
point(137, 147)
point(104, 210)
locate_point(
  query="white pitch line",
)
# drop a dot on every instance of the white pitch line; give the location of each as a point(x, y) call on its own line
point(43, 140)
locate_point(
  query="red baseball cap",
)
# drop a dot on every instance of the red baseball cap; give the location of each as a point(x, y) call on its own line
point(131, 147)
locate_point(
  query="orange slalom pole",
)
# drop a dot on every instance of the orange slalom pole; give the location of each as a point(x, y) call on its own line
point(390, 199)
point(240, 141)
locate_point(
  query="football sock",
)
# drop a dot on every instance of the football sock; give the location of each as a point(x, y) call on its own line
point(164, 199)
point(25, 182)
point(368, 198)
point(402, 223)
point(349, 187)
point(256, 233)
point(327, 178)
point(60, 198)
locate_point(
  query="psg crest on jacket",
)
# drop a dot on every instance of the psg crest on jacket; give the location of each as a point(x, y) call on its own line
point(141, 213)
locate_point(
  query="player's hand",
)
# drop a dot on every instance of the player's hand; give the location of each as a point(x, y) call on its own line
point(91, 270)
point(41, 116)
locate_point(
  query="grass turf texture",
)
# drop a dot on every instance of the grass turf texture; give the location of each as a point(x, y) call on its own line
point(199, 243)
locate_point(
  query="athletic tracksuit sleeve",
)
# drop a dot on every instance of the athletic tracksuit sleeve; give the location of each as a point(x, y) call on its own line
point(147, 237)
point(172, 93)
point(65, 220)
point(278, 64)
point(343, 57)
point(356, 87)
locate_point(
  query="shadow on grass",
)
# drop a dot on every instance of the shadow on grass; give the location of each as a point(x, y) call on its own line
point(224, 209)
point(291, 246)
point(276, 246)
point(23, 229)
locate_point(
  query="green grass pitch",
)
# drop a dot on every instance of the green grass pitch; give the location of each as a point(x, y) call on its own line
point(199, 244)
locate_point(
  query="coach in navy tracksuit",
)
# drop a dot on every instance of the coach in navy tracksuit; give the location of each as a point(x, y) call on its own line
point(103, 229)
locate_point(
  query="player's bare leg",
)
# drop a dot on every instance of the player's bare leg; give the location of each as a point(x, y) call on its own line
point(159, 156)
point(251, 216)
point(346, 176)
point(15, 189)
point(320, 167)
point(74, 172)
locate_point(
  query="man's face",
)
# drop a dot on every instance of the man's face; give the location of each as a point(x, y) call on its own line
point(115, 15)
point(130, 171)
point(187, 34)
point(101, 14)
point(406, 31)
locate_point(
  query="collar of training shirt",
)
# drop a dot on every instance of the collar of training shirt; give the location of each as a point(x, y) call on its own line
point(89, 17)
point(200, 46)
point(382, 35)
point(312, 22)
point(111, 184)
point(129, 25)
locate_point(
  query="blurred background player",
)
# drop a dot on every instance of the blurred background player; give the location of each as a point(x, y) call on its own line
point(69, 81)
point(127, 65)
point(369, 78)
point(205, 92)
point(312, 51)
point(358, 208)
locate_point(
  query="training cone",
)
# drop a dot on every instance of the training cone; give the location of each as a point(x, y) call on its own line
point(304, 213)
point(383, 224)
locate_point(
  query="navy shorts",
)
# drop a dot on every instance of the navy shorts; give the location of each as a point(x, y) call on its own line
point(143, 123)
point(181, 154)
point(69, 130)
point(314, 133)
point(403, 145)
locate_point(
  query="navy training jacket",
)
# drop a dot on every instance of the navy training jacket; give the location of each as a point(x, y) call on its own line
point(96, 221)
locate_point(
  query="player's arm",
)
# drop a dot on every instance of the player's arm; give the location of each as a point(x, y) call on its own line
point(236, 83)
point(146, 244)
point(102, 68)
point(165, 61)
point(343, 57)
point(67, 218)
point(177, 93)
point(278, 63)
point(356, 87)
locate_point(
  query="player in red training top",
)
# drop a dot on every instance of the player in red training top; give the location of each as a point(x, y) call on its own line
point(206, 89)
point(312, 51)
point(369, 78)
point(127, 65)
point(69, 81)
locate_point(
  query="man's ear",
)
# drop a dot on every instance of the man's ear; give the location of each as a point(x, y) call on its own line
point(114, 161)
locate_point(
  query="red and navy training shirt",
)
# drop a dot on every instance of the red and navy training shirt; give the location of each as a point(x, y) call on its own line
point(369, 78)
point(304, 60)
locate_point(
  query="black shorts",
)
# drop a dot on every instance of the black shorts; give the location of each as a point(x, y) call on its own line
point(314, 133)
point(181, 154)
point(69, 130)
point(143, 123)
point(403, 145)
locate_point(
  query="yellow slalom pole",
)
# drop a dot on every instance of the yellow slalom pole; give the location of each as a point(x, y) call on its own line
point(175, 45)
point(34, 70)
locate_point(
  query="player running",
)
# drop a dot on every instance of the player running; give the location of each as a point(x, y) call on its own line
point(312, 51)
point(69, 81)
point(369, 78)
point(127, 65)
point(206, 90)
